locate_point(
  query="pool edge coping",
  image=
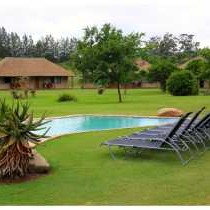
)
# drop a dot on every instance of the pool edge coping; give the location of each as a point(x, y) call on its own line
point(109, 129)
point(108, 115)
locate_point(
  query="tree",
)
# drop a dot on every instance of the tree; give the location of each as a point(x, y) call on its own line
point(18, 125)
point(182, 83)
point(27, 47)
point(187, 45)
point(66, 48)
point(107, 56)
point(4, 43)
point(160, 72)
point(196, 67)
point(15, 45)
point(164, 47)
point(205, 52)
point(205, 75)
point(170, 47)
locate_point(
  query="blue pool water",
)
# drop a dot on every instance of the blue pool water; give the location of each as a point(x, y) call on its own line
point(60, 126)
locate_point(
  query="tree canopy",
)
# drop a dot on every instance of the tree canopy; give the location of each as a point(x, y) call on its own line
point(11, 44)
point(107, 56)
point(160, 72)
point(196, 67)
point(170, 47)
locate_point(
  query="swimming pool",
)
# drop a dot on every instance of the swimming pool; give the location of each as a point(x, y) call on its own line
point(75, 124)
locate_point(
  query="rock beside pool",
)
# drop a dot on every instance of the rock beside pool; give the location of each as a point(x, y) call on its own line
point(38, 164)
point(170, 112)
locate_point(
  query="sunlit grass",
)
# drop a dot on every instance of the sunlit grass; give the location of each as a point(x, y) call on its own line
point(83, 172)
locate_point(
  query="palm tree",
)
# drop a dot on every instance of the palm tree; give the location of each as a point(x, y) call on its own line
point(18, 127)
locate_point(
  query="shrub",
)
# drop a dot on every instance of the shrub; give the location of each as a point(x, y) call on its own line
point(15, 94)
point(182, 83)
point(18, 125)
point(101, 91)
point(25, 93)
point(160, 72)
point(66, 97)
point(33, 93)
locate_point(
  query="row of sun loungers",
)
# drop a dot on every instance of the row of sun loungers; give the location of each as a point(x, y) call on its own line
point(186, 138)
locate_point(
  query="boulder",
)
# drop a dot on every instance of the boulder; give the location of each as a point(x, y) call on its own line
point(170, 112)
point(38, 164)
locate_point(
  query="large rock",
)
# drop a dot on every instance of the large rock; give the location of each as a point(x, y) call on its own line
point(170, 112)
point(38, 164)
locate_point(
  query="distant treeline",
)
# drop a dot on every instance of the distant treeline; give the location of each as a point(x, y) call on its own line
point(173, 48)
point(170, 47)
point(13, 45)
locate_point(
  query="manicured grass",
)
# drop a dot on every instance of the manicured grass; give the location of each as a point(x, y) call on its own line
point(136, 102)
point(84, 173)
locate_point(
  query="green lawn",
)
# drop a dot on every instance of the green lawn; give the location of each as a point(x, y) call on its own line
point(84, 173)
point(136, 102)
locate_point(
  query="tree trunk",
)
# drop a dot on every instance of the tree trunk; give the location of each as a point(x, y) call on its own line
point(208, 89)
point(125, 89)
point(14, 161)
point(163, 86)
point(119, 93)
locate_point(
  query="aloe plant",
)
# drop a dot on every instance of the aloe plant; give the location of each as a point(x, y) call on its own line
point(18, 126)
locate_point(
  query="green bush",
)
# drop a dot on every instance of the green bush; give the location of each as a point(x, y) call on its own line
point(33, 93)
point(160, 72)
point(101, 91)
point(196, 67)
point(66, 97)
point(182, 83)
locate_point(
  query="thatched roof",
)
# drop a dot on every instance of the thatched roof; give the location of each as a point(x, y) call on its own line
point(142, 64)
point(183, 65)
point(13, 67)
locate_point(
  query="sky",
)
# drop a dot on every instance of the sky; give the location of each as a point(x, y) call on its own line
point(63, 18)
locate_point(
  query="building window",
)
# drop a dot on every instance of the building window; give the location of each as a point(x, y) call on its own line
point(7, 80)
point(57, 80)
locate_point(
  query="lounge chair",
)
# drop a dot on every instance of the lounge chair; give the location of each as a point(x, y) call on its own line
point(166, 128)
point(200, 132)
point(171, 142)
point(185, 131)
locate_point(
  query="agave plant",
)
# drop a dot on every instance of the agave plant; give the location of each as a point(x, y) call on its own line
point(18, 127)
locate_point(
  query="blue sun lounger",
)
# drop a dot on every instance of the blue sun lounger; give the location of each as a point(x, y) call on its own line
point(171, 142)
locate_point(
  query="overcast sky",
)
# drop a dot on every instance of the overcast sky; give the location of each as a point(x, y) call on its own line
point(69, 17)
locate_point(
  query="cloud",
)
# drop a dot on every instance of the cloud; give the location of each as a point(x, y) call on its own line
point(68, 18)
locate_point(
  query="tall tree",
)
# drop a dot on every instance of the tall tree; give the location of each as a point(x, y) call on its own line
point(205, 75)
point(4, 43)
point(187, 45)
point(170, 47)
point(15, 44)
point(27, 49)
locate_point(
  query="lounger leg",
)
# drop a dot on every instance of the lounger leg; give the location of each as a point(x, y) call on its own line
point(174, 146)
point(139, 151)
point(126, 153)
point(206, 133)
point(206, 136)
point(186, 145)
point(201, 140)
point(197, 138)
point(112, 154)
point(191, 141)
